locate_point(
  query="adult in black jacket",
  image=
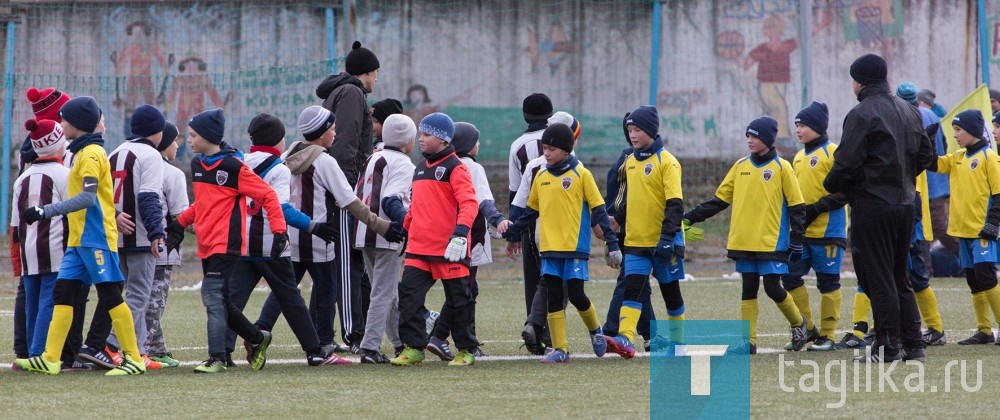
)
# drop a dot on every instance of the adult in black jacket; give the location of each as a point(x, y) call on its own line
point(882, 150)
point(345, 94)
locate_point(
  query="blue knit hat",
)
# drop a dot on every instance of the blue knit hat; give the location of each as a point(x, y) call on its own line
point(646, 119)
point(147, 121)
point(814, 116)
point(764, 128)
point(971, 120)
point(211, 125)
point(438, 125)
point(81, 112)
point(907, 91)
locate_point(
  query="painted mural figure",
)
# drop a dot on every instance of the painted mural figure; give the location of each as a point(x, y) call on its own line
point(189, 91)
point(134, 66)
point(773, 59)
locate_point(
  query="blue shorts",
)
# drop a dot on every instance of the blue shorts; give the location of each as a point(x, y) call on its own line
point(90, 265)
point(635, 264)
point(566, 268)
point(761, 267)
point(975, 251)
point(825, 259)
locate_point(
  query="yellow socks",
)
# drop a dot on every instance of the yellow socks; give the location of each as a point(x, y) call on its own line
point(62, 318)
point(557, 329)
point(927, 303)
point(629, 318)
point(829, 313)
point(590, 318)
point(981, 310)
point(862, 307)
point(993, 297)
point(748, 312)
point(790, 311)
point(801, 298)
point(676, 328)
point(121, 321)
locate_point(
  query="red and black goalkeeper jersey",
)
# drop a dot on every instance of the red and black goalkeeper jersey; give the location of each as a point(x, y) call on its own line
point(443, 197)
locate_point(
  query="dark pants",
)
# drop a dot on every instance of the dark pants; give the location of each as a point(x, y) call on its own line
point(880, 242)
point(442, 327)
point(413, 290)
point(321, 301)
point(222, 314)
point(536, 299)
point(350, 268)
point(20, 323)
point(646, 317)
point(280, 277)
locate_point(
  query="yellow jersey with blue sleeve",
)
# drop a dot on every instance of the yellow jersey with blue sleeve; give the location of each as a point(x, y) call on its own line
point(811, 166)
point(564, 204)
point(93, 226)
point(974, 177)
point(650, 183)
point(760, 195)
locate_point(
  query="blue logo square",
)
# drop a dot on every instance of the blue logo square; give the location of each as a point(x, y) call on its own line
point(696, 370)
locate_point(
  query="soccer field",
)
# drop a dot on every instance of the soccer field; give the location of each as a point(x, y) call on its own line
point(509, 383)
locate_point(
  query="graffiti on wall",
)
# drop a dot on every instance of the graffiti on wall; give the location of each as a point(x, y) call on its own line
point(871, 21)
point(553, 49)
point(774, 72)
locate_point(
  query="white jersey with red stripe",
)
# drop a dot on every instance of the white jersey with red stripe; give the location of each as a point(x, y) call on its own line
point(388, 173)
point(136, 167)
point(43, 242)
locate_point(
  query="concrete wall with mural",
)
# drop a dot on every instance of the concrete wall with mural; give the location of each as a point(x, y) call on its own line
point(722, 62)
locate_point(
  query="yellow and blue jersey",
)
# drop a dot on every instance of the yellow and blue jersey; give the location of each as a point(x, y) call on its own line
point(93, 226)
point(564, 204)
point(811, 169)
point(760, 195)
point(973, 179)
point(650, 183)
point(922, 229)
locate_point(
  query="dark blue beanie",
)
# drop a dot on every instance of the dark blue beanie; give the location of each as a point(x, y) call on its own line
point(169, 135)
point(209, 124)
point(814, 116)
point(147, 121)
point(465, 138)
point(869, 69)
point(81, 112)
point(971, 120)
point(764, 128)
point(996, 118)
point(646, 119)
point(438, 125)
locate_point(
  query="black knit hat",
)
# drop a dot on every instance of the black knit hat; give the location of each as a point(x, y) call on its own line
point(765, 128)
point(360, 60)
point(971, 120)
point(559, 136)
point(386, 107)
point(266, 130)
point(815, 116)
point(169, 135)
point(465, 138)
point(869, 69)
point(537, 107)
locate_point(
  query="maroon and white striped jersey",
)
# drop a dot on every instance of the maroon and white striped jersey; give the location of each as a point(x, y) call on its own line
point(387, 173)
point(522, 151)
point(259, 235)
point(136, 167)
point(43, 242)
point(174, 200)
point(318, 186)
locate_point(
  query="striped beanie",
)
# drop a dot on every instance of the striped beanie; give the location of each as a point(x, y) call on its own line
point(314, 121)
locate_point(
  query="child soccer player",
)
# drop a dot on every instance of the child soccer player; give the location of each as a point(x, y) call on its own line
point(387, 178)
point(91, 255)
point(442, 210)
point(826, 228)
point(174, 200)
point(974, 178)
point(42, 183)
point(267, 133)
point(654, 242)
point(381, 111)
point(564, 197)
point(766, 228)
point(222, 182)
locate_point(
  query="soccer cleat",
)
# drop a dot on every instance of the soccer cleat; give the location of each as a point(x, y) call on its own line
point(530, 336)
point(326, 359)
point(99, 357)
point(851, 341)
point(38, 364)
point(478, 352)
point(978, 338)
point(212, 365)
point(619, 345)
point(355, 348)
point(335, 348)
point(166, 359)
point(813, 335)
point(874, 355)
point(229, 361)
point(800, 336)
point(934, 337)
point(556, 356)
point(870, 337)
point(463, 358)
point(259, 357)
point(79, 366)
point(150, 363)
point(128, 367)
point(398, 350)
point(659, 342)
point(116, 355)
point(440, 348)
point(822, 344)
point(915, 354)
point(430, 318)
point(599, 343)
point(373, 357)
point(410, 356)
point(745, 347)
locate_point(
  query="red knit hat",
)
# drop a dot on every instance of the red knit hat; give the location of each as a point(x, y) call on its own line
point(46, 136)
point(46, 103)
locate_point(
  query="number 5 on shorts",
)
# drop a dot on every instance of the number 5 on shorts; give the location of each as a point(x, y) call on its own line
point(99, 257)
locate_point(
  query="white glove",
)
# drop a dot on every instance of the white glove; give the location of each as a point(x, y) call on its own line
point(457, 249)
point(613, 259)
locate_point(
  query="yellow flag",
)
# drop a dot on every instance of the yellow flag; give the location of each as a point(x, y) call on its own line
point(978, 99)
